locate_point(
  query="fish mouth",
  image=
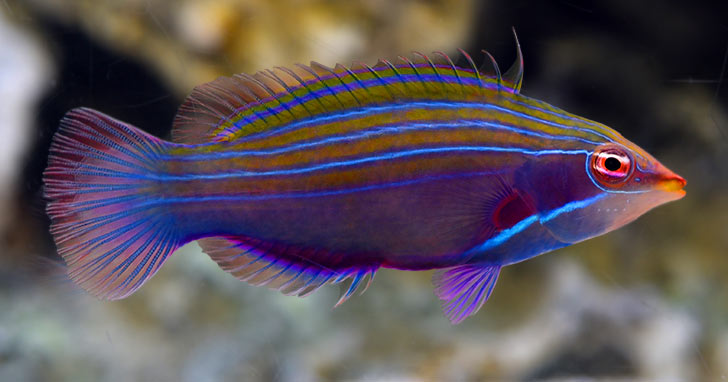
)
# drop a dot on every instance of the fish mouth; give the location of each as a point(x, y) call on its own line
point(673, 183)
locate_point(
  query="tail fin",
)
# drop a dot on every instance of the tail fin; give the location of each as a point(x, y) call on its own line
point(100, 186)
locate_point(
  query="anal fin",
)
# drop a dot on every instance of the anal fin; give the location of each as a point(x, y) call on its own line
point(291, 270)
point(464, 289)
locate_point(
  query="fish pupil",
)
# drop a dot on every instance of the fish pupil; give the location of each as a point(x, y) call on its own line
point(612, 164)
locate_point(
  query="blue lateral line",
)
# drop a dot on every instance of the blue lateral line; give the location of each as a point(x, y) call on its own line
point(248, 197)
point(354, 162)
point(466, 123)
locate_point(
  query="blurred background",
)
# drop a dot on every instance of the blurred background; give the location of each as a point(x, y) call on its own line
point(647, 302)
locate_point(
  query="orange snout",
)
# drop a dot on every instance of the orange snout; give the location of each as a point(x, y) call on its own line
point(669, 181)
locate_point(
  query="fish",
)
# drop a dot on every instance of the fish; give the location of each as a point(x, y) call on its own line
point(295, 178)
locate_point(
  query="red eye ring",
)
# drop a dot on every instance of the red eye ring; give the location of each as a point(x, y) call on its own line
point(611, 164)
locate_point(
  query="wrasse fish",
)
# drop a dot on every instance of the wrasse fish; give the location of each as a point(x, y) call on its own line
point(294, 178)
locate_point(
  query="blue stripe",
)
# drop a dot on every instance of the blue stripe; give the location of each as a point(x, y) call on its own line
point(363, 84)
point(506, 234)
point(354, 162)
point(542, 218)
point(340, 115)
point(563, 114)
point(248, 197)
point(464, 123)
point(559, 113)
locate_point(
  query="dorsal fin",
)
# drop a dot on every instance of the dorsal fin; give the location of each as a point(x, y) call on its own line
point(231, 108)
point(490, 68)
point(513, 78)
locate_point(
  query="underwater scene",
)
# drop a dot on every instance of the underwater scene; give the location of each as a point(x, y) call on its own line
point(415, 190)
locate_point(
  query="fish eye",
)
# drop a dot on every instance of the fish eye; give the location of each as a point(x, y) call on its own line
point(611, 164)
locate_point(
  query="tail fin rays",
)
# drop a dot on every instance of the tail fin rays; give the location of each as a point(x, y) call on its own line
point(106, 223)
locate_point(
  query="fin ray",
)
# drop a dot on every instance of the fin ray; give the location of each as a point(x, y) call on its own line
point(103, 220)
point(288, 270)
point(464, 289)
point(513, 77)
point(230, 108)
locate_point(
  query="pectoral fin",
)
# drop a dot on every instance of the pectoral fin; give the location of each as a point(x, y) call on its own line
point(464, 289)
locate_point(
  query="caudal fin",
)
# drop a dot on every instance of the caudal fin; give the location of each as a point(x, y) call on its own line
point(100, 185)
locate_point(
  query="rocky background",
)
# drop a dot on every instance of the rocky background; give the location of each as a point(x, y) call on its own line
point(647, 302)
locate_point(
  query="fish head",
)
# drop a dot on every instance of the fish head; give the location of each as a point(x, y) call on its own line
point(617, 183)
point(632, 182)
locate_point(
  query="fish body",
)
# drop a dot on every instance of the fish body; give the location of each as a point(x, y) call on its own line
point(295, 178)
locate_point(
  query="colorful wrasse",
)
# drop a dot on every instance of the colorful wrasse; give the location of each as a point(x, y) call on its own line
point(295, 178)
